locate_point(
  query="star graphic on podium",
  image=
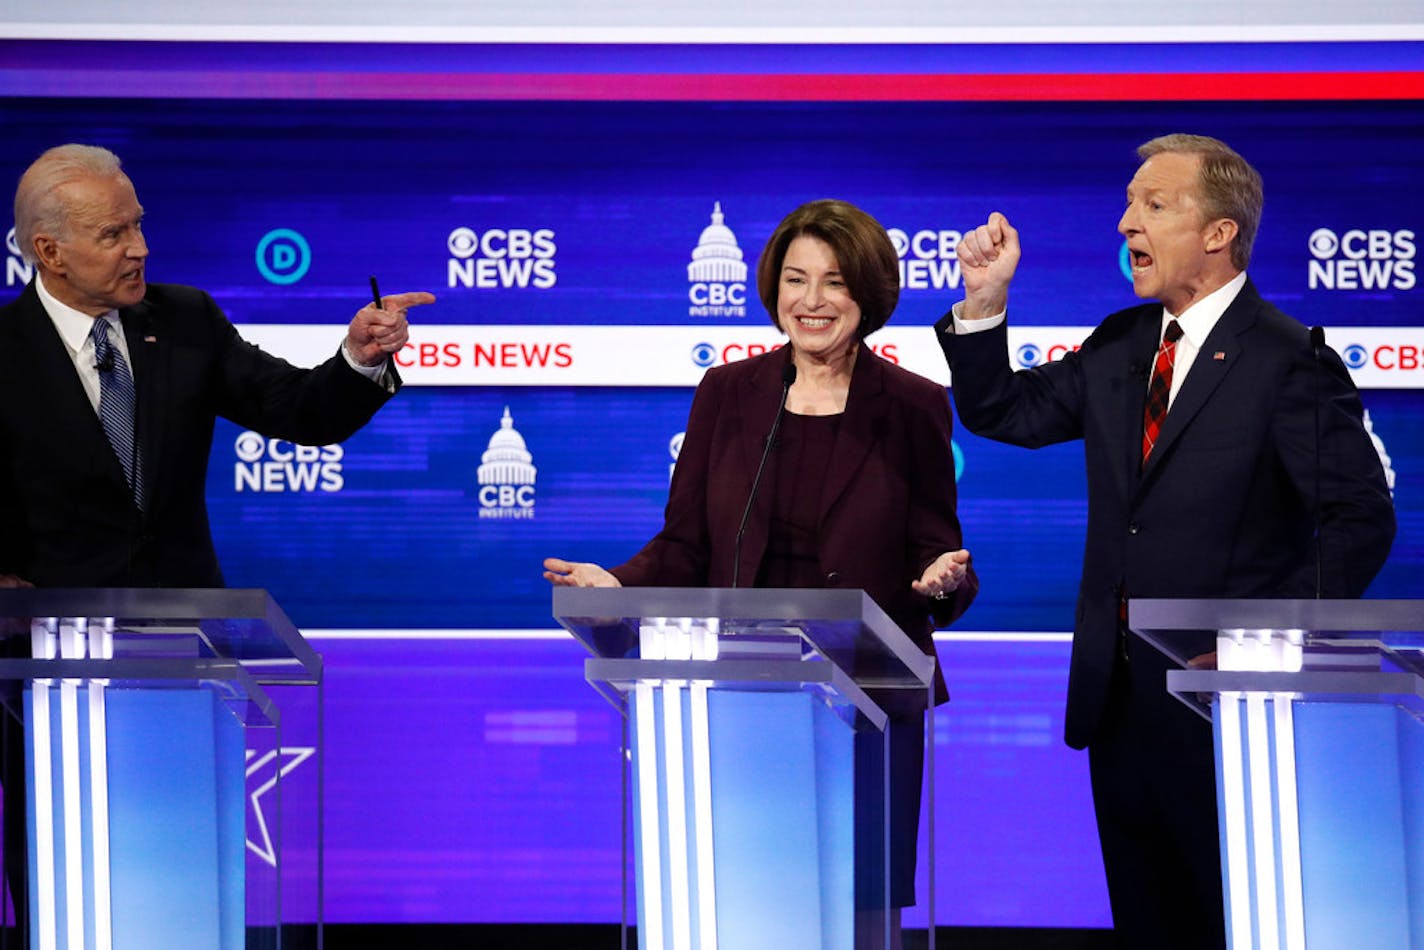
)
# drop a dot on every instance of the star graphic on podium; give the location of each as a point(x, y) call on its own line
point(263, 772)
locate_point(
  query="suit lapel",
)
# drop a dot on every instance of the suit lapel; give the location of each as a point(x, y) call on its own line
point(857, 432)
point(60, 396)
point(757, 401)
point(1218, 355)
point(757, 398)
point(1144, 339)
point(148, 357)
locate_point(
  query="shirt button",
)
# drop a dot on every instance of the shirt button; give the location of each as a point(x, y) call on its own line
point(833, 578)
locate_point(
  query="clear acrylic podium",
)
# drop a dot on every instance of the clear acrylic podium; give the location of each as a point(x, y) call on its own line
point(1316, 708)
point(145, 725)
point(745, 712)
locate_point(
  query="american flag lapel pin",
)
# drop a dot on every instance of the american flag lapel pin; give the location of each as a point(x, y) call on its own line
point(150, 339)
point(1219, 356)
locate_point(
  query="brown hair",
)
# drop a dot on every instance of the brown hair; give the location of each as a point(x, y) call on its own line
point(867, 259)
point(1229, 187)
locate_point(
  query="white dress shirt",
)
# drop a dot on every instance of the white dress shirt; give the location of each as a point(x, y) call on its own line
point(74, 327)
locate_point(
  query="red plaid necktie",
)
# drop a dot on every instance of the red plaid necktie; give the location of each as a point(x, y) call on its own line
point(1159, 389)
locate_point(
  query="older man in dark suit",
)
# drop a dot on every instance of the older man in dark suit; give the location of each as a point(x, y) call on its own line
point(81, 505)
point(1260, 479)
point(109, 388)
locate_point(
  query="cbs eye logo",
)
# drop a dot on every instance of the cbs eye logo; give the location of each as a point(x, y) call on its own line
point(462, 243)
point(1323, 243)
point(704, 355)
point(250, 447)
point(1029, 355)
point(1355, 355)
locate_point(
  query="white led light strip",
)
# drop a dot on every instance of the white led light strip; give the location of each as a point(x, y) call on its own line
point(702, 819)
point(101, 647)
point(43, 645)
point(73, 817)
point(650, 916)
point(1263, 824)
point(45, 896)
point(679, 884)
point(1233, 791)
point(72, 643)
point(1292, 888)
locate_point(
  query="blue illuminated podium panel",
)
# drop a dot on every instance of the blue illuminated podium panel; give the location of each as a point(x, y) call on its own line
point(1316, 708)
point(144, 715)
point(760, 813)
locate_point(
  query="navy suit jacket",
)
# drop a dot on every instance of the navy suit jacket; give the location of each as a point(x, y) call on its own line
point(1227, 503)
point(67, 517)
point(887, 503)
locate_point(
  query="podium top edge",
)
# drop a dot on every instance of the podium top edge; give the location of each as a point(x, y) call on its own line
point(245, 624)
point(761, 603)
point(1167, 614)
point(148, 603)
point(584, 610)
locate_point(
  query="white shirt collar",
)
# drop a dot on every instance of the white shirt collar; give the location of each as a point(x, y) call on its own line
point(74, 326)
point(1201, 317)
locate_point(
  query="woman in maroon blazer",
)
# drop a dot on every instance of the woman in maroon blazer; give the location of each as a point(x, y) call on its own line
point(859, 489)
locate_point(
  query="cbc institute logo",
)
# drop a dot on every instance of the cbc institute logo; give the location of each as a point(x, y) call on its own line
point(717, 276)
point(507, 475)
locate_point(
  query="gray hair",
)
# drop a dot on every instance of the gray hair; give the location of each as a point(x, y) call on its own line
point(1229, 186)
point(39, 207)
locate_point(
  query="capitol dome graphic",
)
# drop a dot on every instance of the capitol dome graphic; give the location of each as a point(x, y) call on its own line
point(507, 461)
point(717, 258)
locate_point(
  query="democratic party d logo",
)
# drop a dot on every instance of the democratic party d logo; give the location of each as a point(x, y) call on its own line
point(283, 256)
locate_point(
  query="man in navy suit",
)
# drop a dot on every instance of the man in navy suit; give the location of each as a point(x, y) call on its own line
point(82, 507)
point(1226, 457)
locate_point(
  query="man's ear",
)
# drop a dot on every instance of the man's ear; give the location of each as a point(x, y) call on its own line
point(47, 253)
point(1219, 234)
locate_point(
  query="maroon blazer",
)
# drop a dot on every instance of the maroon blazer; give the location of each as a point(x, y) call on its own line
point(887, 503)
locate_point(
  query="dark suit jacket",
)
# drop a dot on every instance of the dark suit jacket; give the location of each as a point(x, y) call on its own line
point(887, 505)
point(67, 517)
point(1226, 506)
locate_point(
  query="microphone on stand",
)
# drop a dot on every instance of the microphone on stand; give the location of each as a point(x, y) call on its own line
point(788, 377)
point(1317, 343)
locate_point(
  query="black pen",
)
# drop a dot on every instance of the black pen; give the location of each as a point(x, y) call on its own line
point(376, 296)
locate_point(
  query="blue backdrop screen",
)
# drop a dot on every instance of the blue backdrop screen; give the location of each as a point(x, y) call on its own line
point(477, 780)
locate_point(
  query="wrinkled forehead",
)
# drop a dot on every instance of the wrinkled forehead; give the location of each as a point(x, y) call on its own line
point(93, 200)
point(1168, 172)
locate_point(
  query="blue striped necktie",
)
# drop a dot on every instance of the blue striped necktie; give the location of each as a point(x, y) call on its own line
point(116, 405)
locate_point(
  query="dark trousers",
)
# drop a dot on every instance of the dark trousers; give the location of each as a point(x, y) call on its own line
point(907, 756)
point(1154, 792)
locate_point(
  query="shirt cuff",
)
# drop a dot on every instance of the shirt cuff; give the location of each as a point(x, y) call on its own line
point(977, 325)
point(377, 374)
